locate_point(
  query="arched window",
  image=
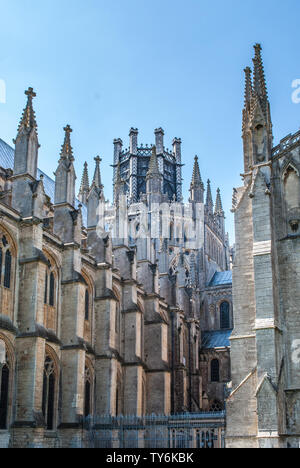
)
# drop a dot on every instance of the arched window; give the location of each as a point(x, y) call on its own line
point(7, 271)
point(224, 316)
point(215, 370)
point(88, 384)
point(86, 305)
point(4, 380)
point(46, 289)
point(49, 391)
point(50, 295)
point(52, 290)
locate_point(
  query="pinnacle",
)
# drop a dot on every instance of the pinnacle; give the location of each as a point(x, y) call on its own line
point(66, 149)
point(97, 174)
point(219, 208)
point(209, 200)
point(196, 177)
point(28, 119)
point(153, 169)
point(259, 75)
point(85, 185)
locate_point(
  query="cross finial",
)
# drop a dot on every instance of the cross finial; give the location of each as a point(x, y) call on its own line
point(30, 93)
point(68, 129)
point(258, 47)
point(97, 159)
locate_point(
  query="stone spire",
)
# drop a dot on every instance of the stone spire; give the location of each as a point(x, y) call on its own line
point(196, 177)
point(66, 149)
point(28, 119)
point(97, 174)
point(95, 199)
point(219, 208)
point(197, 186)
point(65, 176)
point(26, 142)
point(248, 86)
point(153, 170)
point(259, 84)
point(209, 200)
point(257, 124)
point(85, 185)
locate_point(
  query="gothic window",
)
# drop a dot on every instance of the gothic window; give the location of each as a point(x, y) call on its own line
point(224, 316)
point(86, 305)
point(49, 393)
point(46, 288)
point(4, 389)
point(7, 271)
point(117, 318)
point(88, 385)
point(215, 370)
point(49, 296)
point(52, 289)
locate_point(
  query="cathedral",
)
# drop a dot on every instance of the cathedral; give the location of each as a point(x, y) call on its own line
point(120, 313)
point(109, 309)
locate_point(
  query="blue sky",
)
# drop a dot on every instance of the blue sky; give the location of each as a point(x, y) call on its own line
point(105, 66)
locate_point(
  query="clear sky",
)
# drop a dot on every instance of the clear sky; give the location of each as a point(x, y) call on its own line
point(105, 66)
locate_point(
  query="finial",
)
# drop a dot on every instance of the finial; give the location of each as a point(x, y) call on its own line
point(66, 149)
point(68, 129)
point(28, 120)
point(30, 93)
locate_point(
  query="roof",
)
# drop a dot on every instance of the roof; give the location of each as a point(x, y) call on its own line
point(221, 278)
point(7, 162)
point(216, 339)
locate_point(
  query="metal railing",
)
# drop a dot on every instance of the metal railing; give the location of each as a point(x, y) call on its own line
point(188, 430)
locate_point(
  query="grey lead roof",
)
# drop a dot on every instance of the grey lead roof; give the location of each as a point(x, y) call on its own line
point(7, 162)
point(216, 339)
point(221, 278)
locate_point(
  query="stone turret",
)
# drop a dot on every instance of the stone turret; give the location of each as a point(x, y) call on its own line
point(257, 124)
point(154, 177)
point(177, 154)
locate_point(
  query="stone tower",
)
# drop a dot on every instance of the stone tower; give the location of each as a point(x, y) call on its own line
point(263, 408)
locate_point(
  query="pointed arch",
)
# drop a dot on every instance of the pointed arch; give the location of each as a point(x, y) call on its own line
point(8, 262)
point(88, 388)
point(50, 388)
point(51, 286)
point(88, 304)
point(7, 367)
